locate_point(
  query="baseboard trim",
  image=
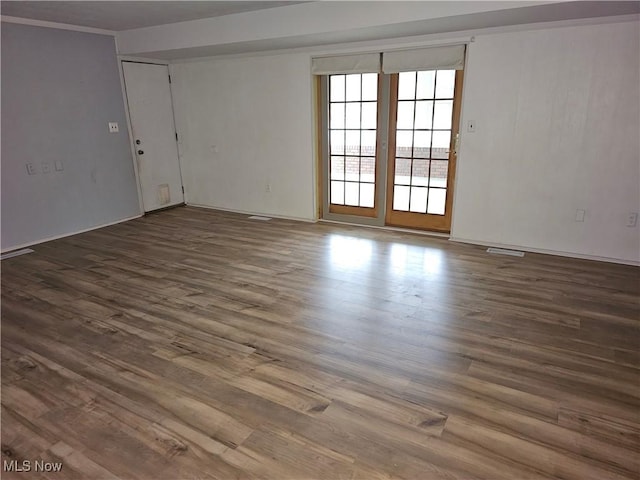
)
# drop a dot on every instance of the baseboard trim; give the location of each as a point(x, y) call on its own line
point(57, 237)
point(244, 212)
point(16, 253)
point(545, 251)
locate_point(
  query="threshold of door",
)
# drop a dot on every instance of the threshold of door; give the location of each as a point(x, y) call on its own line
point(426, 233)
point(162, 209)
point(505, 251)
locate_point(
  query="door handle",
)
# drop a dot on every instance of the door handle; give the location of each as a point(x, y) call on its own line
point(140, 152)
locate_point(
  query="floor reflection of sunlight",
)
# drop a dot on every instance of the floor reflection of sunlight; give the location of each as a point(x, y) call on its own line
point(432, 260)
point(349, 252)
point(411, 259)
point(398, 258)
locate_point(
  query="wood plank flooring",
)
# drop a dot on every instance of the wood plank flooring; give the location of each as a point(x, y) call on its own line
point(196, 344)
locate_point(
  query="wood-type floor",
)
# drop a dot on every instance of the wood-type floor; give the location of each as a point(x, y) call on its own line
point(193, 343)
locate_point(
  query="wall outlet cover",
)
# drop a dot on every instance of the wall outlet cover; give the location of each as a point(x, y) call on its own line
point(113, 127)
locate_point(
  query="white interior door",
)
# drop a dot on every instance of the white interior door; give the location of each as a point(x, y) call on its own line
point(154, 134)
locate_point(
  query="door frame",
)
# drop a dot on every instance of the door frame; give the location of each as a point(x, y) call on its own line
point(350, 214)
point(130, 59)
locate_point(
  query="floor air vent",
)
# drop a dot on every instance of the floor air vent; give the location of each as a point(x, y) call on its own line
point(504, 251)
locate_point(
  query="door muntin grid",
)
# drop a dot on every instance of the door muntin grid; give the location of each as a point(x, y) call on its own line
point(353, 115)
point(424, 125)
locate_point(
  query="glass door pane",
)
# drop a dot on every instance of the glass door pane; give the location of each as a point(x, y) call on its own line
point(353, 122)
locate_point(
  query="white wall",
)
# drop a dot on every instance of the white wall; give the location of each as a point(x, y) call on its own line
point(557, 130)
point(59, 91)
point(245, 123)
point(557, 113)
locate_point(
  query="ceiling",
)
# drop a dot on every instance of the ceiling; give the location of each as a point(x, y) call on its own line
point(234, 35)
point(126, 15)
point(544, 12)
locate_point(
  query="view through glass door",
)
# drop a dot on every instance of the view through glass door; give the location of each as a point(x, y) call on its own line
point(423, 128)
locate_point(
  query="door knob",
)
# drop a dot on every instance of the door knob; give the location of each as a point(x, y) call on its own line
point(140, 152)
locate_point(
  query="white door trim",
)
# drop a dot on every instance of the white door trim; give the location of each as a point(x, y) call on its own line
point(178, 136)
point(130, 132)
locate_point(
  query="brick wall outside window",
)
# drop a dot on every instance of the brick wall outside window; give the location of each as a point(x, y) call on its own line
point(420, 169)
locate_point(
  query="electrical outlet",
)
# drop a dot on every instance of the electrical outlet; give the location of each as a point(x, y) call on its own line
point(31, 169)
point(46, 168)
point(471, 126)
point(580, 215)
point(113, 127)
point(632, 219)
point(268, 188)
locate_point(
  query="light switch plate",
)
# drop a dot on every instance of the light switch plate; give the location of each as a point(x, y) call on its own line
point(113, 127)
point(59, 166)
point(31, 169)
point(46, 168)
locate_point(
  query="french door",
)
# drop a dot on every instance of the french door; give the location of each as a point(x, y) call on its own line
point(391, 147)
point(423, 132)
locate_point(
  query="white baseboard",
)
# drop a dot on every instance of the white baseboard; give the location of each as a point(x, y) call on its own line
point(261, 214)
point(307, 220)
point(16, 253)
point(547, 252)
point(56, 237)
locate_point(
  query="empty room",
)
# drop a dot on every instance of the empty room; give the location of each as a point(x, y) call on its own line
point(320, 240)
